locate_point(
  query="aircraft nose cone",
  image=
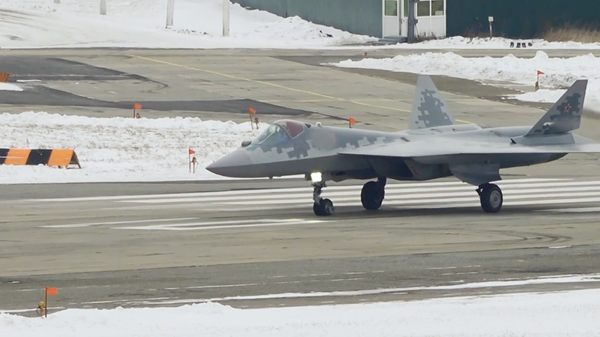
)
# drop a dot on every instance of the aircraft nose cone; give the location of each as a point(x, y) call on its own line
point(232, 165)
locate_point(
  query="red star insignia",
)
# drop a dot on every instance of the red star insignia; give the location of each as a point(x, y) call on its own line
point(568, 108)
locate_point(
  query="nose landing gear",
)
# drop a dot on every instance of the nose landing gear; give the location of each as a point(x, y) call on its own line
point(321, 207)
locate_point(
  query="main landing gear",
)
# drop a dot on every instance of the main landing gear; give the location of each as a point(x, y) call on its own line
point(490, 197)
point(371, 196)
point(373, 193)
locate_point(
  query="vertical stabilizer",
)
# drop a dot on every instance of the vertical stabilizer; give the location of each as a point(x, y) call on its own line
point(565, 114)
point(429, 108)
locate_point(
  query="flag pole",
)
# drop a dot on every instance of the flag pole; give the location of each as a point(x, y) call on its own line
point(46, 303)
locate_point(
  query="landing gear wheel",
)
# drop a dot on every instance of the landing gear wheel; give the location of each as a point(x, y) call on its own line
point(372, 195)
point(323, 208)
point(490, 197)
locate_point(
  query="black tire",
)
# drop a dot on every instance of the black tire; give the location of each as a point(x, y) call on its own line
point(372, 195)
point(491, 198)
point(324, 208)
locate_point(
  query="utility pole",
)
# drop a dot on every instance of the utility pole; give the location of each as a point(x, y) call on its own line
point(102, 7)
point(412, 21)
point(170, 12)
point(225, 17)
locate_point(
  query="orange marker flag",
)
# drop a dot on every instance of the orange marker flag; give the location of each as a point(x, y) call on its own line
point(137, 106)
point(351, 121)
point(191, 151)
point(251, 111)
point(51, 291)
point(540, 73)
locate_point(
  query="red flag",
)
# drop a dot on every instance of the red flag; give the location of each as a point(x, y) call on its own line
point(540, 73)
point(137, 106)
point(251, 111)
point(352, 120)
point(51, 291)
point(191, 151)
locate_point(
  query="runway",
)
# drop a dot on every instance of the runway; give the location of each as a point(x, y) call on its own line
point(239, 246)
point(257, 243)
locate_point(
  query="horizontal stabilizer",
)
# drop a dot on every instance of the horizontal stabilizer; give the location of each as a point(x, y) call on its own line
point(429, 108)
point(565, 114)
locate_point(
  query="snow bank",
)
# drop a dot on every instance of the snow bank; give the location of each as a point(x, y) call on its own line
point(460, 42)
point(119, 149)
point(10, 87)
point(142, 23)
point(559, 73)
point(573, 313)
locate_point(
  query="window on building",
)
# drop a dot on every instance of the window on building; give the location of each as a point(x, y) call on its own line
point(437, 7)
point(391, 7)
point(423, 7)
point(406, 8)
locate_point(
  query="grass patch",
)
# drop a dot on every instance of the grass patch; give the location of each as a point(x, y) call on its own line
point(583, 35)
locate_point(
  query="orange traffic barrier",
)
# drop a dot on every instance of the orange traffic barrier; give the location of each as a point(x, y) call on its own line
point(49, 157)
point(4, 77)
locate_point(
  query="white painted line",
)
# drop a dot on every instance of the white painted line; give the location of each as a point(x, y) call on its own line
point(114, 223)
point(441, 204)
point(308, 194)
point(390, 189)
point(223, 286)
point(478, 285)
point(508, 203)
point(224, 225)
point(575, 210)
point(278, 190)
point(421, 198)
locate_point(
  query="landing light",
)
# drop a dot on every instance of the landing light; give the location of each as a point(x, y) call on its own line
point(316, 177)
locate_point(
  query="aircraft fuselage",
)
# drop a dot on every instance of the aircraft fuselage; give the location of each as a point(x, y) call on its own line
point(314, 148)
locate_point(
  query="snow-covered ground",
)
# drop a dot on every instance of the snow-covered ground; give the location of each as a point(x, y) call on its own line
point(142, 23)
point(10, 87)
point(119, 149)
point(197, 24)
point(570, 313)
point(507, 71)
point(460, 42)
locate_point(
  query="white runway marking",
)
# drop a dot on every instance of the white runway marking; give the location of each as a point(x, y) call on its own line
point(408, 196)
point(307, 189)
point(517, 192)
point(575, 210)
point(210, 225)
point(113, 223)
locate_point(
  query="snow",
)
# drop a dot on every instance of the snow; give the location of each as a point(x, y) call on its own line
point(142, 23)
point(460, 42)
point(119, 149)
point(197, 24)
point(508, 71)
point(10, 87)
point(570, 313)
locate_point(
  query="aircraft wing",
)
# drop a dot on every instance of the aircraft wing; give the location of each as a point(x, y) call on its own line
point(446, 147)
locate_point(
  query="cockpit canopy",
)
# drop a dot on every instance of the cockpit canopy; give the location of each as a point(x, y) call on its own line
point(280, 131)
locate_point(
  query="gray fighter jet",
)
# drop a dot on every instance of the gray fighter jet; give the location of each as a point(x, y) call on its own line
point(432, 147)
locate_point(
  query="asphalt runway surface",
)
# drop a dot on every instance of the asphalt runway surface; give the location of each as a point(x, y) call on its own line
point(239, 242)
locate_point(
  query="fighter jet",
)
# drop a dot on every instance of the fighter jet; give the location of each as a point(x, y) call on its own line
point(432, 147)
